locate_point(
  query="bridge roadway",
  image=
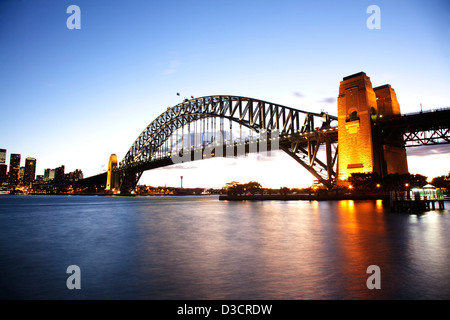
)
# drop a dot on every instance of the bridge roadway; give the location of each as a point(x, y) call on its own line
point(418, 129)
point(237, 149)
point(424, 128)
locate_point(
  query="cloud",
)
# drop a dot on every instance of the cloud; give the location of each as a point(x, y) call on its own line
point(181, 166)
point(427, 151)
point(298, 95)
point(270, 155)
point(173, 66)
point(168, 71)
point(328, 100)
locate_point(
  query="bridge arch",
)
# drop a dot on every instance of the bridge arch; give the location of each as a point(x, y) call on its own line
point(254, 114)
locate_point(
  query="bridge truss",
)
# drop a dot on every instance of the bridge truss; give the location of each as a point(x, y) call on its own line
point(196, 125)
point(418, 129)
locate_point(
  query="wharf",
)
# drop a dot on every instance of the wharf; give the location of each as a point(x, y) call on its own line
point(307, 197)
point(401, 203)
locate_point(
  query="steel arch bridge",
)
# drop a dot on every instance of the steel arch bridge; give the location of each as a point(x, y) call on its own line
point(191, 127)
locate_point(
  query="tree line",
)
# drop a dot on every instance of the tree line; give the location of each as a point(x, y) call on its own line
point(360, 182)
point(395, 182)
point(234, 188)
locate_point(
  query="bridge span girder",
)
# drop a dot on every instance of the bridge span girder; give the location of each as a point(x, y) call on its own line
point(251, 113)
point(417, 129)
point(305, 150)
point(292, 125)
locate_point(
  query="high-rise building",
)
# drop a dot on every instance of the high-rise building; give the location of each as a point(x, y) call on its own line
point(49, 174)
point(46, 174)
point(59, 174)
point(14, 168)
point(2, 156)
point(77, 175)
point(3, 173)
point(3, 167)
point(21, 174)
point(74, 176)
point(30, 170)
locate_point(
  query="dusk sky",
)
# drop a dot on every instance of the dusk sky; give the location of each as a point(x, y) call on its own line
point(73, 97)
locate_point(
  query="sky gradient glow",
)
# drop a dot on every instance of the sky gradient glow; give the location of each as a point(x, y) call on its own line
point(73, 97)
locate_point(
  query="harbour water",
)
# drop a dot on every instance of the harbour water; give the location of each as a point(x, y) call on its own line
point(201, 248)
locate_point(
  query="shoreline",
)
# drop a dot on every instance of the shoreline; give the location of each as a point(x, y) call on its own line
point(105, 194)
point(305, 197)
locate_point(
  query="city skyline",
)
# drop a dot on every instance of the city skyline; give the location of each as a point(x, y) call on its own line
point(15, 175)
point(86, 94)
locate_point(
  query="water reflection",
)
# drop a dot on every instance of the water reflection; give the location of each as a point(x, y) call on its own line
point(283, 250)
point(202, 248)
point(379, 206)
point(361, 243)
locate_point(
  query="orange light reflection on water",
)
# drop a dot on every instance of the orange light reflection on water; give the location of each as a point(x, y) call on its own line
point(281, 250)
point(379, 205)
point(356, 221)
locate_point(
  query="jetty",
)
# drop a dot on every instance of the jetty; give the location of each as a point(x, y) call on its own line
point(417, 199)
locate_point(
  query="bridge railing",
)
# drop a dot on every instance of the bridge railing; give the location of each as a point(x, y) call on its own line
point(426, 111)
point(410, 196)
point(415, 113)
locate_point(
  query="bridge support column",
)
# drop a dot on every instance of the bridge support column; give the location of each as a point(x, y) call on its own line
point(327, 183)
point(329, 160)
point(306, 152)
point(362, 147)
point(128, 182)
point(111, 180)
point(355, 103)
point(392, 151)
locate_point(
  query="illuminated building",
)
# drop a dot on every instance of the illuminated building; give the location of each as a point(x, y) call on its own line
point(3, 166)
point(111, 180)
point(2, 156)
point(30, 171)
point(76, 175)
point(59, 174)
point(3, 173)
point(49, 174)
point(360, 149)
point(14, 168)
point(21, 174)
